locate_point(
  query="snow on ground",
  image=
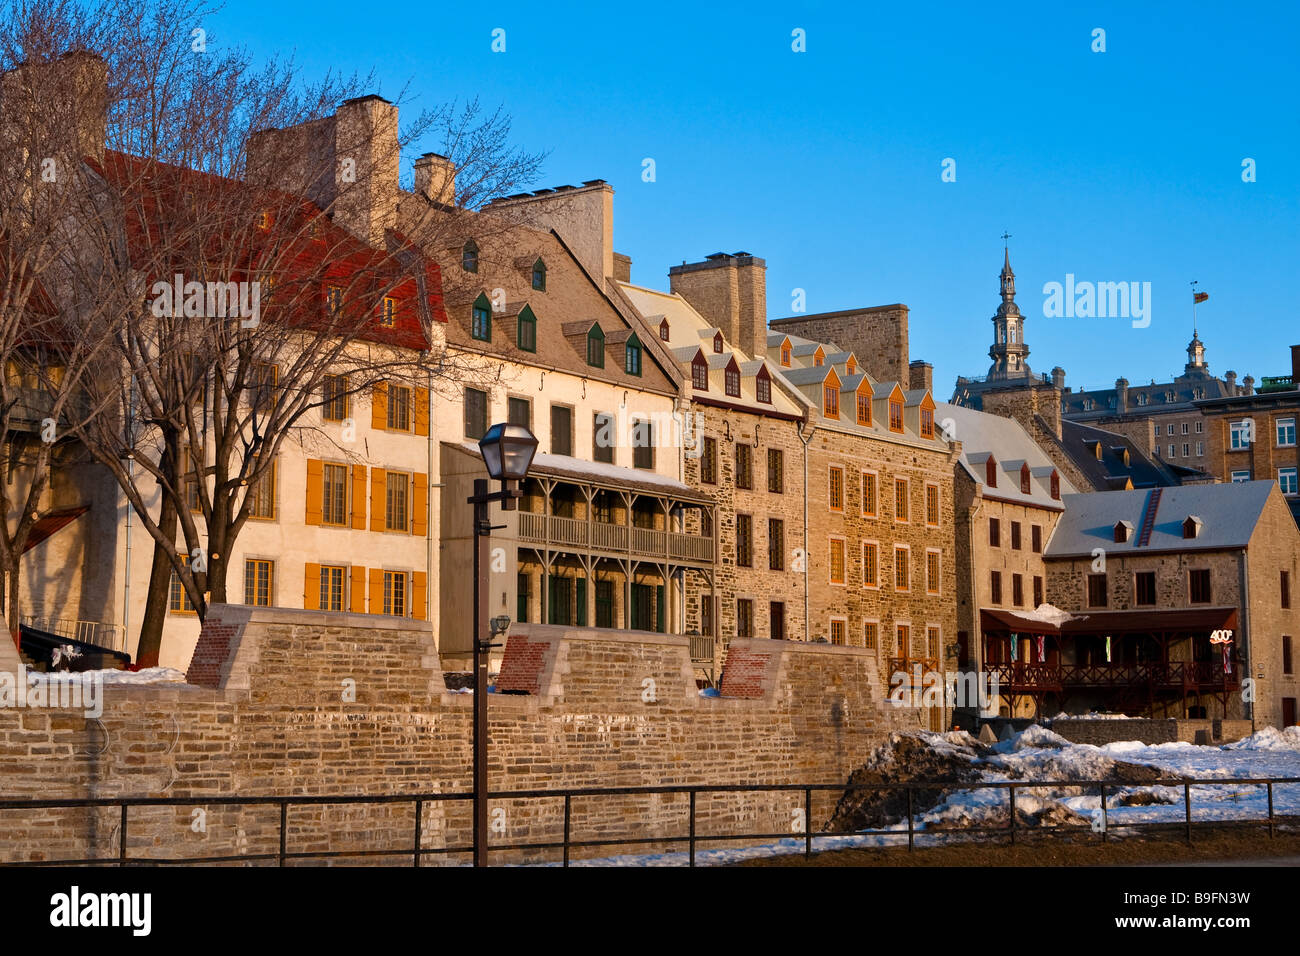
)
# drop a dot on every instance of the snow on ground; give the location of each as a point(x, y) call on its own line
point(1037, 754)
point(146, 675)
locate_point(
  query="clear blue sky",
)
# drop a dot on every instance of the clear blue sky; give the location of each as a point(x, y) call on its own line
point(1115, 166)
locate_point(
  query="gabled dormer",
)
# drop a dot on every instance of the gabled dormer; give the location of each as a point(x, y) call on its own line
point(1123, 531)
point(896, 401)
point(864, 396)
point(1192, 527)
point(718, 343)
point(831, 394)
point(763, 385)
point(1055, 482)
point(700, 372)
point(731, 378)
point(1026, 481)
point(665, 333)
point(991, 471)
point(819, 356)
point(786, 352)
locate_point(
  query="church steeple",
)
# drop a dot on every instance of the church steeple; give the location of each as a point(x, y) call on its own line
point(1009, 351)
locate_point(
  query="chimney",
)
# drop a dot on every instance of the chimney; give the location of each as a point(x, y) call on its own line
point(582, 215)
point(1121, 395)
point(1248, 385)
point(1230, 382)
point(622, 267)
point(65, 100)
point(730, 291)
point(920, 375)
point(346, 163)
point(1295, 366)
point(435, 178)
point(1058, 378)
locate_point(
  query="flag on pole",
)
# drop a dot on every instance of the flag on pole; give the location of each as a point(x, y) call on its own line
point(1199, 297)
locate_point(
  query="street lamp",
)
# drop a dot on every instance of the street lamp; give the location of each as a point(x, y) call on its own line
point(507, 453)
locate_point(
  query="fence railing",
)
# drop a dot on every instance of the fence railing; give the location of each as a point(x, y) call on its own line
point(690, 839)
point(110, 636)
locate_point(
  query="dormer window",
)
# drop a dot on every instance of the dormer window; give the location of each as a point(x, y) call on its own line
point(717, 343)
point(1142, 398)
point(664, 332)
point(596, 347)
point(388, 312)
point(480, 325)
point(1024, 480)
point(700, 372)
point(1056, 486)
point(732, 379)
point(1192, 527)
point(333, 298)
point(539, 276)
point(632, 355)
point(864, 408)
point(819, 358)
point(469, 256)
point(927, 423)
point(263, 220)
point(763, 386)
point(785, 355)
point(526, 330)
point(1169, 397)
point(851, 365)
point(830, 400)
point(1123, 531)
point(991, 472)
point(895, 416)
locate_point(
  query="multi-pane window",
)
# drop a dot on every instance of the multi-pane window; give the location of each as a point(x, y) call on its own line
point(539, 275)
point(1286, 479)
point(475, 413)
point(870, 635)
point(895, 416)
point(1239, 434)
point(1038, 590)
point(700, 374)
point(932, 505)
point(643, 450)
point(927, 423)
point(763, 387)
point(744, 541)
point(837, 489)
point(1198, 581)
point(333, 298)
point(1096, 590)
point(900, 499)
point(602, 438)
point(1144, 588)
point(995, 587)
point(932, 572)
point(395, 593)
point(1036, 538)
point(469, 257)
point(261, 494)
point(562, 430)
point(480, 324)
point(1243, 475)
point(1017, 590)
point(519, 411)
point(388, 312)
point(775, 471)
point(744, 617)
point(396, 496)
point(903, 635)
point(632, 356)
point(869, 494)
point(526, 330)
point(335, 408)
point(331, 588)
point(831, 401)
point(902, 570)
point(1015, 536)
point(775, 544)
point(706, 614)
point(932, 641)
point(399, 408)
point(785, 356)
point(838, 628)
point(864, 408)
point(744, 466)
point(709, 462)
point(334, 494)
point(257, 582)
point(1286, 432)
point(870, 565)
point(995, 533)
point(837, 560)
point(179, 599)
point(596, 347)
point(731, 380)
point(262, 390)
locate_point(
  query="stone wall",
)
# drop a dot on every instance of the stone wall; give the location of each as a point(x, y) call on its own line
point(1101, 732)
point(876, 335)
point(319, 703)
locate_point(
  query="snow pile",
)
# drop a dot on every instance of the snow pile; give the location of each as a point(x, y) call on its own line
point(146, 675)
point(1270, 738)
point(1047, 614)
point(1091, 715)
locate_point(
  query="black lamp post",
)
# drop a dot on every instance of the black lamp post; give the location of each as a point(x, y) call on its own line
point(507, 453)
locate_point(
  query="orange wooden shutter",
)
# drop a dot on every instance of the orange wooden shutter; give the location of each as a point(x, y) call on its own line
point(311, 587)
point(378, 498)
point(379, 406)
point(420, 504)
point(358, 589)
point(315, 490)
point(376, 590)
point(422, 411)
point(419, 594)
point(359, 497)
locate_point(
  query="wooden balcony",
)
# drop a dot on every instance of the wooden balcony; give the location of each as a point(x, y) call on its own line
point(614, 539)
point(1175, 675)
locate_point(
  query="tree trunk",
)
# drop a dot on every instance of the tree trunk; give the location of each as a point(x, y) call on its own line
point(11, 612)
point(159, 593)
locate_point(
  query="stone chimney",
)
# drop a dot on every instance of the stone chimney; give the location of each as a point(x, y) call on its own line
point(730, 291)
point(1027, 403)
point(622, 267)
point(435, 178)
point(582, 215)
point(1230, 382)
point(346, 163)
point(920, 375)
point(1248, 385)
point(1058, 378)
point(70, 97)
point(1121, 395)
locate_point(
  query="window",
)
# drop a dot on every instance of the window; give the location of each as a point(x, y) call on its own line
point(932, 505)
point(1096, 590)
point(744, 466)
point(1187, 450)
point(1240, 434)
point(1036, 538)
point(1038, 590)
point(927, 423)
point(700, 373)
point(395, 593)
point(1286, 432)
point(334, 495)
point(539, 275)
point(1243, 475)
point(469, 257)
point(776, 620)
point(837, 560)
point(1183, 429)
point(333, 298)
point(900, 499)
point(475, 413)
point(179, 599)
point(932, 572)
point(1173, 451)
point(995, 533)
point(261, 494)
point(744, 617)
point(388, 312)
point(717, 343)
point(775, 471)
point(1024, 479)
point(1169, 429)
point(1198, 585)
point(262, 386)
point(706, 614)
point(1200, 427)
point(399, 408)
point(831, 401)
point(1015, 536)
point(257, 582)
point(995, 587)
point(1017, 590)
point(870, 635)
point(864, 408)
point(396, 496)
point(869, 494)
point(665, 333)
point(335, 407)
point(602, 438)
point(744, 541)
point(632, 356)
point(643, 450)
point(562, 430)
point(838, 626)
point(904, 637)
point(1144, 588)
point(870, 565)
point(1286, 654)
point(480, 325)
point(896, 416)
point(1056, 487)
point(331, 588)
point(1286, 479)
point(1286, 589)
point(763, 387)
point(732, 381)
point(596, 347)
point(519, 411)
point(709, 462)
point(526, 330)
point(837, 489)
point(775, 544)
point(990, 472)
point(902, 571)
point(1200, 449)
point(819, 357)
point(785, 356)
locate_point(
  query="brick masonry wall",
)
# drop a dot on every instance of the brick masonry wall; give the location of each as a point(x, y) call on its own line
point(319, 703)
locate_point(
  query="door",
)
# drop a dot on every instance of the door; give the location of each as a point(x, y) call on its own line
point(1288, 711)
point(604, 603)
point(560, 600)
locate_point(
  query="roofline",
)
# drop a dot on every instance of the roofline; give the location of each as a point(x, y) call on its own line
point(832, 315)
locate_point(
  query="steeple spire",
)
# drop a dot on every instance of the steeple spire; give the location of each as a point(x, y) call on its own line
point(1009, 350)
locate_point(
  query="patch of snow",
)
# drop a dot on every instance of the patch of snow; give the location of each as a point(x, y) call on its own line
point(146, 675)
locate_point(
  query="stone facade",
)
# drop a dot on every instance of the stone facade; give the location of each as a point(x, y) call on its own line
point(876, 335)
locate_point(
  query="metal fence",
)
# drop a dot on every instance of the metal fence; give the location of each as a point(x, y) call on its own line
point(110, 636)
point(691, 839)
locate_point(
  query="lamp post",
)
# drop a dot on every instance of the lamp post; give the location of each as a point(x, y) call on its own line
point(507, 454)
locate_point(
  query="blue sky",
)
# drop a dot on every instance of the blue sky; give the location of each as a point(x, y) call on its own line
point(1117, 166)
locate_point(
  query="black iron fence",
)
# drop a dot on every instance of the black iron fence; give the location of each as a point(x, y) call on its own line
point(690, 840)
